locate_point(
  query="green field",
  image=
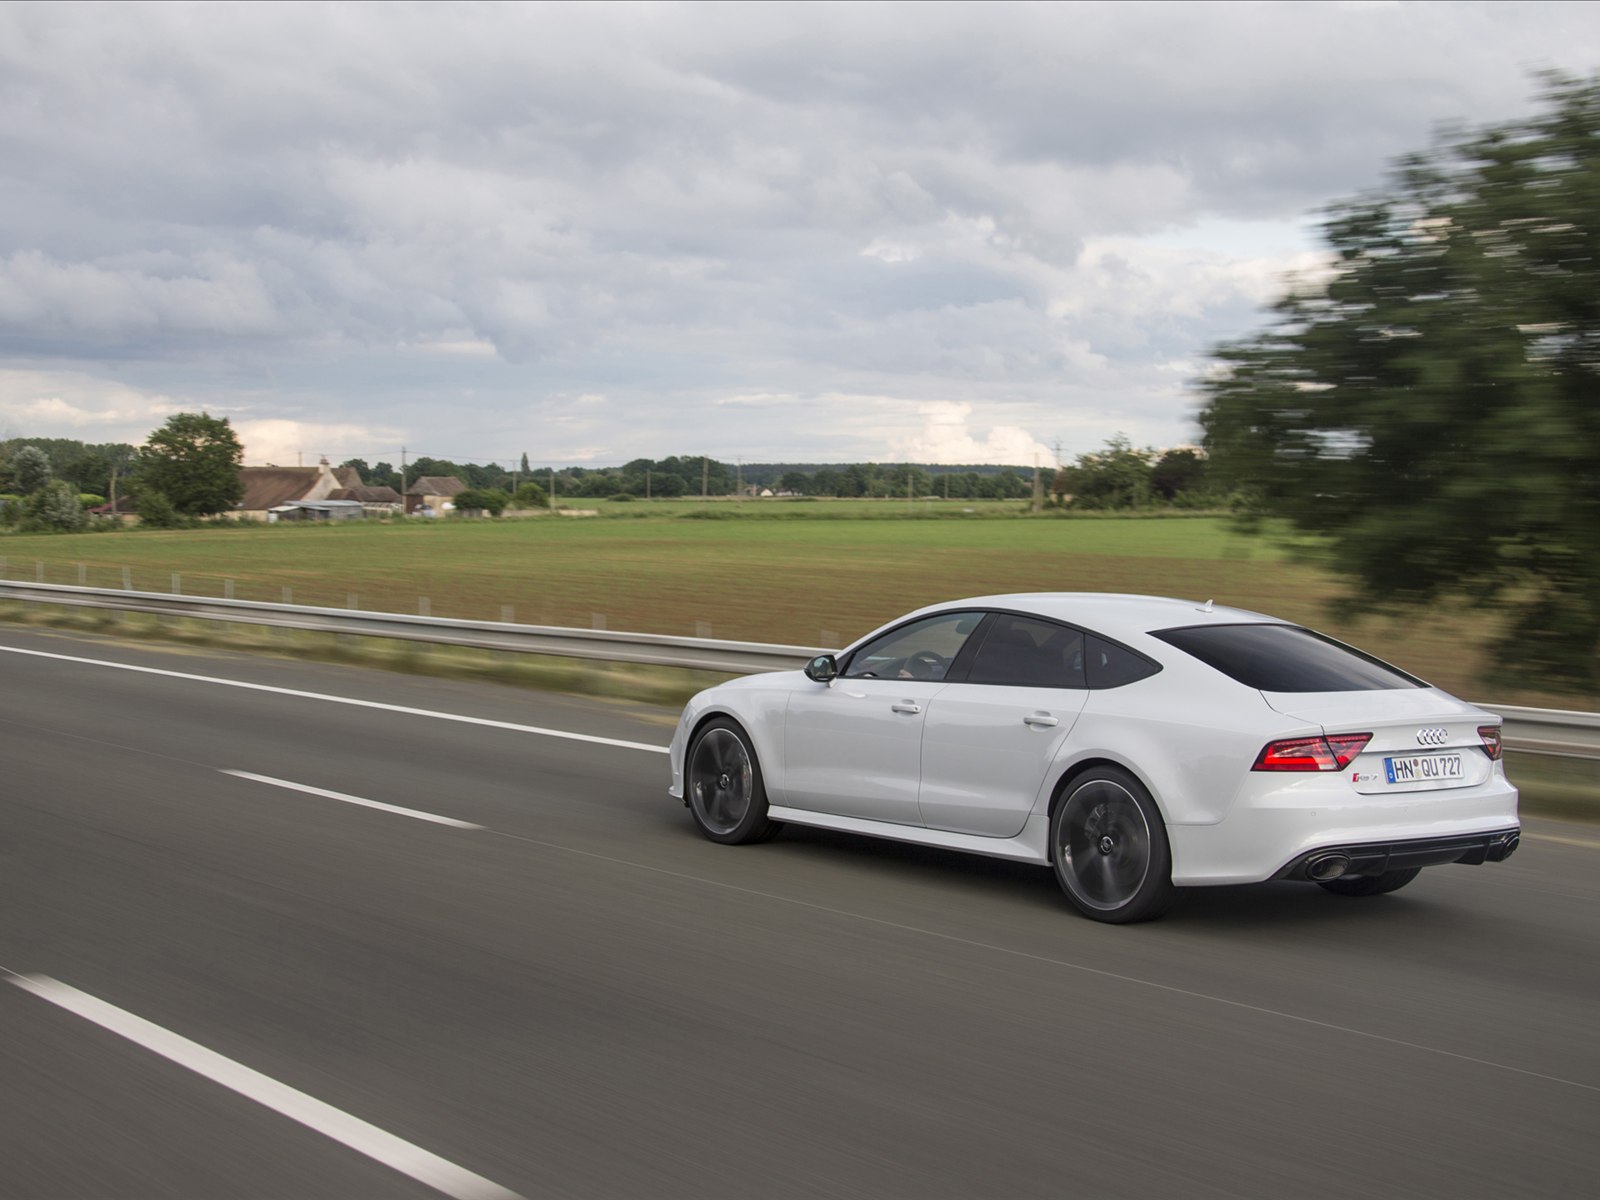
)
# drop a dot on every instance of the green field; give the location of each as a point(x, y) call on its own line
point(759, 570)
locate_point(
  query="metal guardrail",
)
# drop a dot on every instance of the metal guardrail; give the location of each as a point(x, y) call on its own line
point(701, 654)
point(1528, 730)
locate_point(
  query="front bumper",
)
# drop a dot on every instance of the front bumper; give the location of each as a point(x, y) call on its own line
point(1375, 858)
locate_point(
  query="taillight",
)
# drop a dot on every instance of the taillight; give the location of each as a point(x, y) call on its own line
point(1491, 741)
point(1332, 753)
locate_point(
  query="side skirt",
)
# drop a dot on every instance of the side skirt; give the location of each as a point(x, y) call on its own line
point(1030, 846)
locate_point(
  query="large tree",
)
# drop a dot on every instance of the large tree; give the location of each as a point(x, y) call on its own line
point(1431, 408)
point(193, 460)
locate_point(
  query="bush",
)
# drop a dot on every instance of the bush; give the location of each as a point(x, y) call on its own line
point(490, 500)
point(55, 506)
point(530, 495)
point(621, 496)
point(157, 512)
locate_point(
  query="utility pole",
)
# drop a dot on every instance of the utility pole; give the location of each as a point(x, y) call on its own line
point(405, 509)
point(705, 475)
point(738, 475)
point(1037, 503)
point(552, 489)
point(647, 483)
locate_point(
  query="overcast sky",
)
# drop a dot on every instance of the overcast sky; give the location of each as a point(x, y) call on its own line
point(946, 233)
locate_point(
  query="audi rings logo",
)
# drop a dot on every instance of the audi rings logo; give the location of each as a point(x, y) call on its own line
point(1432, 737)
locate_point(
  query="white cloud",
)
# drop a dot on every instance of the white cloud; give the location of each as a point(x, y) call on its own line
point(946, 437)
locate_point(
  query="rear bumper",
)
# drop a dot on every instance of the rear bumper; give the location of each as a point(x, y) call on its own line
point(1375, 858)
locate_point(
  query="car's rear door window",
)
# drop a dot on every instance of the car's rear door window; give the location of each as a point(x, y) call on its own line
point(1287, 658)
point(1022, 651)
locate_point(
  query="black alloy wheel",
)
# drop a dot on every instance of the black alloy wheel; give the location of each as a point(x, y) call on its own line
point(1109, 847)
point(722, 781)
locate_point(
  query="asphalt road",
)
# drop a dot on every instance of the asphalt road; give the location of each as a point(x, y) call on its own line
point(215, 986)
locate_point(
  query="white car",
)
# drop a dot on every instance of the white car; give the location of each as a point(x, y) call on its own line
point(1135, 744)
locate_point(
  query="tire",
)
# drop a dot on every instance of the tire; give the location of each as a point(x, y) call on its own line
point(1109, 847)
point(1370, 885)
point(722, 782)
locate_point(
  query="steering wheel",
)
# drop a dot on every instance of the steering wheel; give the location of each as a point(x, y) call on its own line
point(926, 664)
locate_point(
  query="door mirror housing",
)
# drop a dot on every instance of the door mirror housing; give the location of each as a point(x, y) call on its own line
point(823, 669)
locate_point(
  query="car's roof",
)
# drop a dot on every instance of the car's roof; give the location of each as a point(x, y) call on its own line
point(1114, 614)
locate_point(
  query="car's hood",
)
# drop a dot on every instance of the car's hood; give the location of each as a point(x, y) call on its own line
point(1375, 709)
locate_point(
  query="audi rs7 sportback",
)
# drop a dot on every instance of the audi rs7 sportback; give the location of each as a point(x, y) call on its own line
point(1137, 745)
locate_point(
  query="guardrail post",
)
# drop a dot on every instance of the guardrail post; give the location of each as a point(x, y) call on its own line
point(38, 569)
point(127, 580)
point(702, 629)
point(177, 584)
point(227, 589)
point(83, 575)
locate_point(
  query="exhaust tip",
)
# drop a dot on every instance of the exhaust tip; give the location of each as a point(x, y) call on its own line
point(1509, 848)
point(1327, 866)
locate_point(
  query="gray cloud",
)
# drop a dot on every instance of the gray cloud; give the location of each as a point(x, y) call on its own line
point(347, 224)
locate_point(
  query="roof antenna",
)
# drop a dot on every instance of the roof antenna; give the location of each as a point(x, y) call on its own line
point(1207, 608)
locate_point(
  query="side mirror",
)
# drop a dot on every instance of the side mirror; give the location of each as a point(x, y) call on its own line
point(822, 669)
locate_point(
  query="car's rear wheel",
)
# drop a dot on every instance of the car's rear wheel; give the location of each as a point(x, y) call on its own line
point(723, 783)
point(1109, 846)
point(1370, 885)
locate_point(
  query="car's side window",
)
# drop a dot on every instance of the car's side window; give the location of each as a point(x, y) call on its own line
point(1026, 652)
point(1110, 665)
point(921, 650)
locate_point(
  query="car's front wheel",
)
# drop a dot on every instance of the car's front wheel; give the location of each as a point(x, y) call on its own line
point(1370, 885)
point(1109, 846)
point(723, 784)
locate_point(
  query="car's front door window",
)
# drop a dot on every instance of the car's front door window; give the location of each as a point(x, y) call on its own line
point(921, 650)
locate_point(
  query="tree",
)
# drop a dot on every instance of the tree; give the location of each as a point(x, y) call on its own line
point(30, 468)
point(1178, 473)
point(530, 495)
point(1118, 476)
point(194, 461)
point(56, 506)
point(1428, 409)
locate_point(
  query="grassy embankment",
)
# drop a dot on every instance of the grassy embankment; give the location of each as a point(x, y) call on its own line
point(761, 571)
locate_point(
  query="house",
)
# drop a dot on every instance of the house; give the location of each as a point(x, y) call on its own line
point(123, 510)
point(430, 495)
point(270, 488)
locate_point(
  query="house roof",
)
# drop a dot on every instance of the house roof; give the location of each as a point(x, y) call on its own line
point(269, 487)
point(367, 494)
point(436, 485)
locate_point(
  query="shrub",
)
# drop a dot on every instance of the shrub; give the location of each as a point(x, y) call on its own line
point(55, 506)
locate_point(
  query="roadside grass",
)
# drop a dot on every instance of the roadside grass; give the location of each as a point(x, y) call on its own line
point(821, 580)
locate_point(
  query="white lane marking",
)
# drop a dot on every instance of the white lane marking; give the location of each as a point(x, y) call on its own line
point(416, 814)
point(427, 1168)
point(300, 695)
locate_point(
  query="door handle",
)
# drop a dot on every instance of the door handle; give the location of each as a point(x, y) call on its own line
point(1040, 720)
point(905, 706)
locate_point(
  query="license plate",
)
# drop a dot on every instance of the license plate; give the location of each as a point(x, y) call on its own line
point(1424, 768)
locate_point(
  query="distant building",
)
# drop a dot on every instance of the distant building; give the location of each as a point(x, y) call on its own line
point(430, 496)
point(268, 490)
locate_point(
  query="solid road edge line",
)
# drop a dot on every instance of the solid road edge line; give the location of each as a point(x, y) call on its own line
point(364, 1138)
point(376, 704)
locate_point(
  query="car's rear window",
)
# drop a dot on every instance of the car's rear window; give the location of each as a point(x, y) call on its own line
point(1286, 658)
